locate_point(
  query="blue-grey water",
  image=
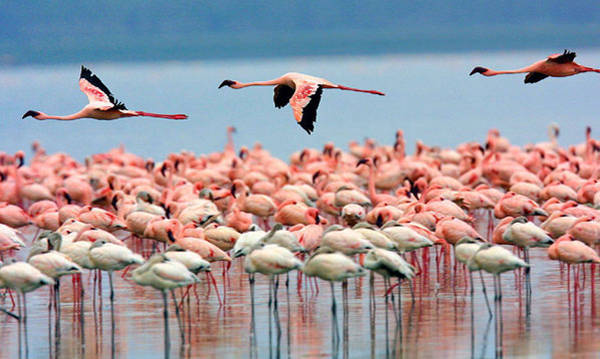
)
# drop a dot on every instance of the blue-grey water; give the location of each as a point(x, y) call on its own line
point(430, 96)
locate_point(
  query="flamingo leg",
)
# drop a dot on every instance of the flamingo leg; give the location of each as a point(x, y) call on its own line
point(20, 322)
point(214, 283)
point(487, 302)
point(335, 335)
point(166, 319)
point(112, 291)
point(11, 314)
point(25, 325)
point(179, 323)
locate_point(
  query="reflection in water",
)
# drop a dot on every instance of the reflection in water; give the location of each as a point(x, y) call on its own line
point(305, 322)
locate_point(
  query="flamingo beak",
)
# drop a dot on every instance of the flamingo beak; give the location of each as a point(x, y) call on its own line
point(114, 203)
point(170, 234)
point(227, 83)
point(30, 113)
point(379, 221)
point(478, 70)
point(69, 199)
point(362, 161)
point(315, 176)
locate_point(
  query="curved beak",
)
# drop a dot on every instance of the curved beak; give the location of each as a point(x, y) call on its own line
point(362, 161)
point(226, 83)
point(30, 113)
point(170, 234)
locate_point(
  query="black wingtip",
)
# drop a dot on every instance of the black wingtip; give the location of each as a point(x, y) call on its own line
point(30, 113)
point(226, 83)
point(85, 72)
point(478, 70)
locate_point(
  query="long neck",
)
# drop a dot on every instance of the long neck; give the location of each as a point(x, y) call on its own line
point(517, 71)
point(259, 83)
point(372, 192)
point(73, 116)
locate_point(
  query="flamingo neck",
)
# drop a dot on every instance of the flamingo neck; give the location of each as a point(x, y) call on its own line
point(240, 85)
point(504, 72)
point(74, 116)
point(372, 192)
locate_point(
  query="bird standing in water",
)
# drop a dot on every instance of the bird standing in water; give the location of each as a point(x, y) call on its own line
point(103, 105)
point(302, 92)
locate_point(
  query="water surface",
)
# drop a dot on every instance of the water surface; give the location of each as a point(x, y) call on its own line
point(440, 322)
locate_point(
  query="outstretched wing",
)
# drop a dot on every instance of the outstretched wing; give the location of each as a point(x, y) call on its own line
point(304, 102)
point(534, 77)
point(563, 58)
point(282, 95)
point(96, 91)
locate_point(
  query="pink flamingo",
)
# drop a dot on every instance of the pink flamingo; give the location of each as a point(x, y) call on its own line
point(556, 65)
point(302, 92)
point(102, 106)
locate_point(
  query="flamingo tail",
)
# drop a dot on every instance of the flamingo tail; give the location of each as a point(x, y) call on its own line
point(171, 117)
point(359, 90)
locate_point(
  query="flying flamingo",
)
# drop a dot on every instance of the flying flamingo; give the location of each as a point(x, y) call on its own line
point(302, 92)
point(103, 105)
point(556, 65)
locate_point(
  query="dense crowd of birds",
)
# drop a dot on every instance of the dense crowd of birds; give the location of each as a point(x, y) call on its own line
point(313, 214)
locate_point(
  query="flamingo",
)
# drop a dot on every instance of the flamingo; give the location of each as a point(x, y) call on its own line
point(496, 260)
point(556, 65)
point(103, 105)
point(568, 250)
point(24, 278)
point(464, 249)
point(110, 257)
point(389, 264)
point(345, 240)
point(191, 260)
point(164, 274)
point(246, 242)
point(302, 92)
point(55, 265)
point(333, 266)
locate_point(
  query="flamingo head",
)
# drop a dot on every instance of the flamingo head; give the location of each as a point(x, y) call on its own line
point(364, 161)
point(34, 114)
point(230, 83)
point(479, 70)
point(314, 214)
point(20, 156)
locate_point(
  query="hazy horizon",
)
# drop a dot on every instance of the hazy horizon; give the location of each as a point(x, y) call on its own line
point(38, 32)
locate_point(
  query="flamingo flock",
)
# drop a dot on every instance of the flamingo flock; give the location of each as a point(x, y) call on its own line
point(329, 214)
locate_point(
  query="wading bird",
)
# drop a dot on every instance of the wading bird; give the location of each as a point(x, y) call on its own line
point(302, 92)
point(556, 65)
point(103, 105)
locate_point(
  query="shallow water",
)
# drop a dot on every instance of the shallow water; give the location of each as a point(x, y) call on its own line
point(439, 323)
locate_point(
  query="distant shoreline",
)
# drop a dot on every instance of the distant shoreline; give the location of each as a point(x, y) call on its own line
point(190, 47)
